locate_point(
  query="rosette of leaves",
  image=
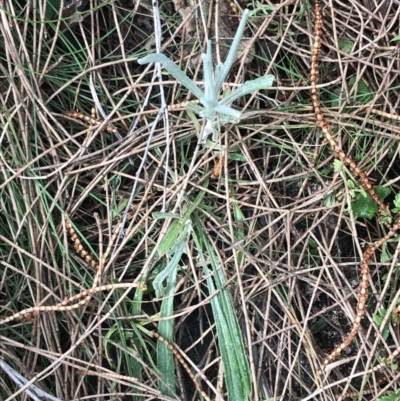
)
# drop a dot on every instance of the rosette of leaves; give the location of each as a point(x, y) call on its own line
point(211, 108)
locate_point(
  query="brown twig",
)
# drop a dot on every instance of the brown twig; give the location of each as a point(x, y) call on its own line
point(95, 121)
point(363, 179)
point(362, 294)
point(86, 294)
point(324, 125)
point(366, 391)
point(386, 115)
point(65, 305)
point(110, 375)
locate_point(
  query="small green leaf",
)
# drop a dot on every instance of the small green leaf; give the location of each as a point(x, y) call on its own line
point(239, 230)
point(228, 111)
point(171, 236)
point(390, 396)
point(52, 9)
point(364, 207)
point(237, 157)
point(363, 94)
point(385, 333)
point(318, 326)
point(377, 319)
point(264, 9)
point(385, 255)
point(195, 108)
point(337, 165)
point(362, 192)
point(397, 200)
point(395, 38)
point(350, 184)
point(330, 200)
point(166, 215)
point(346, 45)
point(312, 243)
point(382, 192)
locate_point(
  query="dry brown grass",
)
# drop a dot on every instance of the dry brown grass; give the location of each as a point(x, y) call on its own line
point(278, 216)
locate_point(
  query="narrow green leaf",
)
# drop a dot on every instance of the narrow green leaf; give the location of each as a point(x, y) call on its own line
point(223, 71)
point(228, 111)
point(210, 90)
point(175, 71)
point(177, 226)
point(237, 157)
point(377, 319)
point(165, 357)
point(385, 255)
point(236, 366)
point(165, 215)
point(194, 107)
point(239, 230)
point(168, 271)
point(248, 87)
point(170, 236)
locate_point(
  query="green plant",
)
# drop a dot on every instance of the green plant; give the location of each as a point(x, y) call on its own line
point(213, 109)
point(378, 319)
point(363, 206)
point(391, 396)
point(164, 285)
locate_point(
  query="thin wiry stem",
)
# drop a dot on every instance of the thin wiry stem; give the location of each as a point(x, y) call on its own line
point(357, 172)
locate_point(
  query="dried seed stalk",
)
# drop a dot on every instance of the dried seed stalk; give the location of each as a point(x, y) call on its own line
point(86, 294)
point(110, 375)
point(362, 294)
point(387, 360)
point(91, 120)
point(234, 16)
point(95, 121)
point(363, 179)
point(366, 391)
point(324, 125)
point(179, 357)
point(386, 115)
point(65, 305)
point(79, 248)
point(216, 173)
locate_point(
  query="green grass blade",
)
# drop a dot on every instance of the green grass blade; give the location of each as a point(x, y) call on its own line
point(248, 87)
point(175, 71)
point(165, 357)
point(234, 357)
